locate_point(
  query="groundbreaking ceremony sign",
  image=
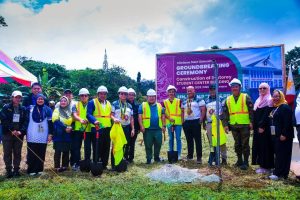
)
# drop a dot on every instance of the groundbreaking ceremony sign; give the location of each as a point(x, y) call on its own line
point(252, 65)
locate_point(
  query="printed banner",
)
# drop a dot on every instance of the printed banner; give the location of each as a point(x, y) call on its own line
point(251, 65)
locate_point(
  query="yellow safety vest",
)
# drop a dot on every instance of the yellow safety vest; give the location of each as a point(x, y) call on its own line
point(81, 112)
point(147, 114)
point(173, 111)
point(223, 137)
point(238, 111)
point(101, 114)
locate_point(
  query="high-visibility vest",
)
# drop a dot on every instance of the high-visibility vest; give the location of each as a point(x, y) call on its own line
point(223, 137)
point(81, 112)
point(101, 114)
point(147, 114)
point(238, 111)
point(173, 111)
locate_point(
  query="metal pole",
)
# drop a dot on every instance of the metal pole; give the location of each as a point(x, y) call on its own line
point(217, 112)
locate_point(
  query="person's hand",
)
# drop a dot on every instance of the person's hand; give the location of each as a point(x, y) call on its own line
point(96, 123)
point(142, 128)
point(261, 130)
point(19, 133)
point(14, 132)
point(172, 120)
point(83, 121)
point(226, 129)
point(116, 121)
point(49, 138)
point(69, 129)
point(132, 133)
point(164, 129)
point(282, 138)
point(251, 126)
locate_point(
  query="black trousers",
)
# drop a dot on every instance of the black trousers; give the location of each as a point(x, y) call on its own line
point(127, 133)
point(35, 157)
point(76, 143)
point(61, 155)
point(88, 145)
point(192, 131)
point(131, 146)
point(12, 149)
point(283, 156)
point(104, 145)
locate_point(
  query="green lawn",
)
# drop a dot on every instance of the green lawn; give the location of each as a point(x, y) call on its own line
point(133, 184)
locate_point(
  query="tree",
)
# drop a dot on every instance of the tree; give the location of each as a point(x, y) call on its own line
point(293, 58)
point(215, 47)
point(2, 21)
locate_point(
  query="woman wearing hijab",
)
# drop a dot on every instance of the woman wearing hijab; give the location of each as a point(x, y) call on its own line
point(282, 131)
point(62, 120)
point(262, 148)
point(40, 125)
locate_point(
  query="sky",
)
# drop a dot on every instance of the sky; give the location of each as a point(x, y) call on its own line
point(75, 33)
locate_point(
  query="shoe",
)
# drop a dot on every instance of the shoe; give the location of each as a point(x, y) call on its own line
point(40, 173)
point(273, 177)
point(9, 174)
point(262, 171)
point(245, 166)
point(158, 160)
point(17, 173)
point(239, 162)
point(62, 169)
point(75, 168)
point(148, 161)
point(199, 161)
point(32, 174)
point(187, 158)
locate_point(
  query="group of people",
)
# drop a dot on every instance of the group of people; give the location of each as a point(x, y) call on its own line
point(70, 122)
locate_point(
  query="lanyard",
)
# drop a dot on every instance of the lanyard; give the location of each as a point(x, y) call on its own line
point(272, 113)
point(123, 109)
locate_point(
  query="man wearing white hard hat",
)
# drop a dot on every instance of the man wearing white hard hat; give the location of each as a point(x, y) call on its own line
point(81, 127)
point(99, 113)
point(14, 121)
point(174, 118)
point(135, 107)
point(152, 123)
point(122, 113)
point(238, 117)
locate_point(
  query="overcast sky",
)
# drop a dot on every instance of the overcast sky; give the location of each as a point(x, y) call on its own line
point(75, 33)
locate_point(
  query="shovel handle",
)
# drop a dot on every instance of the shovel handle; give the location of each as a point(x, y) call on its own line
point(84, 135)
point(97, 131)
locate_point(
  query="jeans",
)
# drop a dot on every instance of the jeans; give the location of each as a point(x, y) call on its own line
point(177, 133)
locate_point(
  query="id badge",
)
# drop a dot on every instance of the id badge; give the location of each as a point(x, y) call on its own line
point(272, 130)
point(16, 118)
point(40, 128)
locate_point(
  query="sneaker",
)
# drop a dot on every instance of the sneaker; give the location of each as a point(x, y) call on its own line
point(32, 174)
point(159, 160)
point(273, 177)
point(244, 167)
point(262, 171)
point(40, 173)
point(75, 168)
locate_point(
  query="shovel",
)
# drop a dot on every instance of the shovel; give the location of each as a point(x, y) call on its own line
point(85, 165)
point(96, 166)
point(173, 155)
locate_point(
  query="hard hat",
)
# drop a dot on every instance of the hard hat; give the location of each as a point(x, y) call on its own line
point(102, 89)
point(130, 90)
point(123, 89)
point(171, 87)
point(235, 81)
point(151, 92)
point(83, 91)
point(16, 93)
point(68, 91)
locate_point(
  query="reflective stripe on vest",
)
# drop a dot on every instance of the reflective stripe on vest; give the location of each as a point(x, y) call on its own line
point(173, 111)
point(238, 111)
point(102, 114)
point(147, 114)
point(81, 112)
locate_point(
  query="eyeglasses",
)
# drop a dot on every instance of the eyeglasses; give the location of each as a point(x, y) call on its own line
point(84, 95)
point(122, 93)
point(262, 88)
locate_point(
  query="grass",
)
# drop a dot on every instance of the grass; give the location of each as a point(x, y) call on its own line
point(134, 184)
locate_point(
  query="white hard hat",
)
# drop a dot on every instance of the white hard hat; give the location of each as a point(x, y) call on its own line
point(123, 89)
point(171, 87)
point(151, 92)
point(83, 91)
point(16, 93)
point(235, 81)
point(130, 90)
point(102, 89)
